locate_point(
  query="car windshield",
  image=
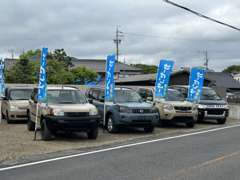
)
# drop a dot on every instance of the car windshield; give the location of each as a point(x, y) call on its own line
point(20, 94)
point(122, 96)
point(209, 94)
point(65, 97)
point(173, 95)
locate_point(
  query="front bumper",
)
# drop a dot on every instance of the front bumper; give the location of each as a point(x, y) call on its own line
point(20, 114)
point(211, 113)
point(138, 120)
point(176, 116)
point(63, 123)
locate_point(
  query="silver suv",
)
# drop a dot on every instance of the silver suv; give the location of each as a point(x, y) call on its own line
point(67, 109)
point(173, 108)
point(15, 103)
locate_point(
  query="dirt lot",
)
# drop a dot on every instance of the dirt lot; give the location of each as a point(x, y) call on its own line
point(16, 142)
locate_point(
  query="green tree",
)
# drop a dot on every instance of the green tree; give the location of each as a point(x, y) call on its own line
point(83, 75)
point(61, 56)
point(21, 72)
point(232, 69)
point(147, 69)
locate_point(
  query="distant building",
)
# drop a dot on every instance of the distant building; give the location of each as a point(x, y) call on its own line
point(98, 65)
point(221, 82)
point(236, 77)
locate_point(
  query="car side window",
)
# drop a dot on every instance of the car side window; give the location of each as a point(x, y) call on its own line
point(94, 94)
point(142, 93)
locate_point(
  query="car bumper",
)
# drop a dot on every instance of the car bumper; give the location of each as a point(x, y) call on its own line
point(213, 113)
point(18, 115)
point(137, 120)
point(179, 116)
point(72, 123)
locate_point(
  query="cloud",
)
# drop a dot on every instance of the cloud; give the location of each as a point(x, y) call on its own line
point(152, 29)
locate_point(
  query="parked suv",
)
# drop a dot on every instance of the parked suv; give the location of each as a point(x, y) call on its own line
point(211, 105)
point(126, 110)
point(67, 109)
point(15, 103)
point(172, 108)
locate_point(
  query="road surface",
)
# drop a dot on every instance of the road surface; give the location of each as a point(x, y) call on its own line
point(209, 155)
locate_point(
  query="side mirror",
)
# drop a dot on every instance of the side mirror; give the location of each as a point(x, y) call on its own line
point(149, 98)
point(90, 101)
point(102, 99)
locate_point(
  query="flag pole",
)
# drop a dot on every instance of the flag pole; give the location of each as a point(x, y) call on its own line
point(36, 123)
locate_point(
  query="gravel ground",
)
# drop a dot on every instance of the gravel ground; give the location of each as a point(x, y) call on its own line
point(16, 142)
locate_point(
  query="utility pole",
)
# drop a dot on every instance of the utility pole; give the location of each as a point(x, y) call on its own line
point(12, 53)
point(117, 41)
point(206, 59)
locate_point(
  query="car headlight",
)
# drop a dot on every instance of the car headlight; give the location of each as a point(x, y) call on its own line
point(202, 106)
point(124, 109)
point(93, 112)
point(226, 106)
point(13, 108)
point(58, 112)
point(168, 107)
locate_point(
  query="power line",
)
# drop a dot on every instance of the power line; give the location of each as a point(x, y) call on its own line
point(201, 15)
point(170, 38)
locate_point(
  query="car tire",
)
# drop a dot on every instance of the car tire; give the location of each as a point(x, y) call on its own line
point(222, 121)
point(190, 124)
point(162, 123)
point(46, 134)
point(8, 119)
point(93, 133)
point(149, 129)
point(30, 123)
point(200, 119)
point(3, 116)
point(110, 125)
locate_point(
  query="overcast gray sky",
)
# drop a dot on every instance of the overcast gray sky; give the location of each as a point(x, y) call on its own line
point(85, 29)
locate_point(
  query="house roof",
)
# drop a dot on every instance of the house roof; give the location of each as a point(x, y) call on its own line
point(98, 65)
point(219, 79)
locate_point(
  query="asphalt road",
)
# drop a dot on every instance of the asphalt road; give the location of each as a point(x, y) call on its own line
point(212, 155)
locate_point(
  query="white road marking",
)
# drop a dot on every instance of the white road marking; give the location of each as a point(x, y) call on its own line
point(117, 147)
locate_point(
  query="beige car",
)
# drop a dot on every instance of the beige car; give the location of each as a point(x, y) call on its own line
point(66, 109)
point(15, 103)
point(173, 108)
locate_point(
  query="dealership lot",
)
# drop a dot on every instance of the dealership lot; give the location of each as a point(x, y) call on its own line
point(17, 143)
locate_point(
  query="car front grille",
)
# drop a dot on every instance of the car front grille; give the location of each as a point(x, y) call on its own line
point(76, 114)
point(215, 111)
point(141, 111)
point(182, 108)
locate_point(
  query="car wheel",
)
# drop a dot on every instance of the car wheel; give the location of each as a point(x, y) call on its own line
point(222, 121)
point(110, 125)
point(149, 129)
point(7, 118)
point(200, 119)
point(46, 134)
point(93, 133)
point(30, 123)
point(190, 124)
point(3, 116)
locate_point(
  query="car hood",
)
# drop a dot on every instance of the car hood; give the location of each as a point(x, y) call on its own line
point(20, 103)
point(180, 103)
point(212, 102)
point(136, 105)
point(73, 107)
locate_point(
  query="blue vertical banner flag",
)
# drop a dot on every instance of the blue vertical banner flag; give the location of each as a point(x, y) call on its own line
point(109, 83)
point(196, 82)
point(42, 87)
point(2, 81)
point(163, 76)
